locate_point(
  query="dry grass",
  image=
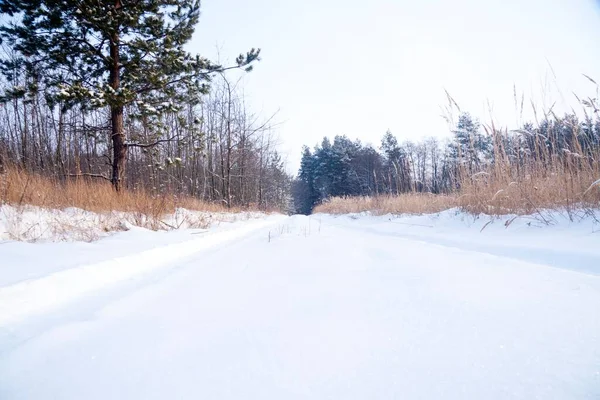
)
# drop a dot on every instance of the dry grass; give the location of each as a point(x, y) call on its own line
point(498, 192)
point(19, 188)
point(104, 209)
point(567, 181)
point(490, 194)
point(409, 203)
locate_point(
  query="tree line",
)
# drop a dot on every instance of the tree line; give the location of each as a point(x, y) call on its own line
point(342, 167)
point(106, 90)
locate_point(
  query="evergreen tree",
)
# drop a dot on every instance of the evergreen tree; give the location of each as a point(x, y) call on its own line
point(277, 188)
point(397, 168)
point(344, 176)
point(115, 54)
point(470, 146)
point(390, 147)
point(324, 160)
point(304, 191)
point(368, 166)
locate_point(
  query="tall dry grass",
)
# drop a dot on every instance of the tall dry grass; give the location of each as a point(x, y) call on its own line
point(408, 203)
point(499, 195)
point(18, 187)
point(567, 181)
point(111, 211)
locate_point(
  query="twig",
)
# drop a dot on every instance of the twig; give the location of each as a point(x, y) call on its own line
point(90, 176)
point(487, 223)
point(169, 225)
point(24, 190)
point(147, 145)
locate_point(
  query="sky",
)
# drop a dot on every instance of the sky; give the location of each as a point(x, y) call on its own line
point(359, 68)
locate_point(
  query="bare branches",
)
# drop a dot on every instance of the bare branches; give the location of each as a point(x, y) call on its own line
point(217, 150)
point(89, 175)
point(149, 145)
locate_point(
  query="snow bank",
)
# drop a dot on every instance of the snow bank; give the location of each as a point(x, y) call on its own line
point(556, 241)
point(36, 224)
point(28, 297)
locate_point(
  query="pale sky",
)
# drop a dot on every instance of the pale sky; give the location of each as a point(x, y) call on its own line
point(334, 67)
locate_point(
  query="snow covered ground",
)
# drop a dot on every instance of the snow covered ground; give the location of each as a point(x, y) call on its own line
point(350, 307)
point(62, 239)
point(34, 224)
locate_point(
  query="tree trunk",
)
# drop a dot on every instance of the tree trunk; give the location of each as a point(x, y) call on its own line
point(229, 104)
point(119, 148)
point(60, 162)
point(116, 120)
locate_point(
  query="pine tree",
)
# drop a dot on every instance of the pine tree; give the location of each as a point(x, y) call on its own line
point(470, 146)
point(323, 169)
point(396, 164)
point(115, 54)
point(345, 178)
point(304, 191)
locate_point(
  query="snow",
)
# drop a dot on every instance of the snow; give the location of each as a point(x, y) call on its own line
point(35, 296)
point(35, 224)
point(90, 238)
point(550, 239)
point(349, 307)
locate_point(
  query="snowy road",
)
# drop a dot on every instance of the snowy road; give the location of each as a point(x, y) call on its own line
point(317, 309)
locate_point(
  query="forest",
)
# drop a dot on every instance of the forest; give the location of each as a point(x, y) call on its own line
point(104, 92)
